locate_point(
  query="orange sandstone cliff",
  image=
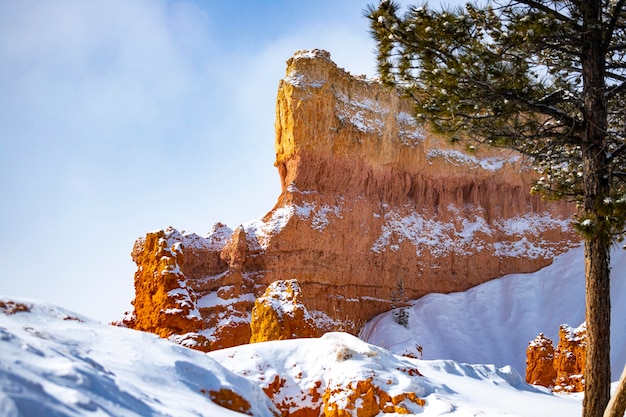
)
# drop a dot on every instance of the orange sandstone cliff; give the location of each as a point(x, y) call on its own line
point(368, 198)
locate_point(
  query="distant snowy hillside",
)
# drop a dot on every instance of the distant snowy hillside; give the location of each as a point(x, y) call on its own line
point(493, 322)
point(55, 363)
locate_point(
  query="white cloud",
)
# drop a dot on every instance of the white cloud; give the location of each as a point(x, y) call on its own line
point(122, 116)
point(112, 63)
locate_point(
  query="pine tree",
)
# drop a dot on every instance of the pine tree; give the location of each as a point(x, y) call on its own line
point(399, 304)
point(546, 78)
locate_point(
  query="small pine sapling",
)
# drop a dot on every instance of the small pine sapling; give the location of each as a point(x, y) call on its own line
point(399, 304)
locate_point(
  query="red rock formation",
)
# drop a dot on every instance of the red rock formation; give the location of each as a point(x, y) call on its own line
point(368, 198)
point(569, 359)
point(561, 369)
point(540, 362)
point(163, 303)
point(230, 400)
point(279, 314)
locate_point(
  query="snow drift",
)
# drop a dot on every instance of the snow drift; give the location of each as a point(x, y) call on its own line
point(56, 363)
point(494, 322)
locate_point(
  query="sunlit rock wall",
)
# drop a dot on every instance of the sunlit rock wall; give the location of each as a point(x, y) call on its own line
point(368, 198)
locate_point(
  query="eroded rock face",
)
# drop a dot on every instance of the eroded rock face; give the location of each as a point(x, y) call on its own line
point(561, 369)
point(365, 399)
point(368, 198)
point(279, 314)
point(540, 368)
point(163, 303)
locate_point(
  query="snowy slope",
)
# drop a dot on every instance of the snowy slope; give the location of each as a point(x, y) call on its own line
point(449, 388)
point(493, 322)
point(55, 363)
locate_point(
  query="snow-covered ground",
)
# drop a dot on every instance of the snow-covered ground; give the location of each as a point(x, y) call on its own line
point(448, 387)
point(493, 322)
point(56, 363)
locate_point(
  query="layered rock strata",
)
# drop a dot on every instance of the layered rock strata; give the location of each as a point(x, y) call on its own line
point(561, 368)
point(368, 198)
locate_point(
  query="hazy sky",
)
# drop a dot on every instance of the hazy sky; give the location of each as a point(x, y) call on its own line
point(118, 117)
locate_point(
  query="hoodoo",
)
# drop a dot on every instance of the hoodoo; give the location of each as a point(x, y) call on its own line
point(368, 198)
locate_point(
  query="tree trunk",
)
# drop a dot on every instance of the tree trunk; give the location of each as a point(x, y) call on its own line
point(596, 187)
point(598, 316)
point(617, 405)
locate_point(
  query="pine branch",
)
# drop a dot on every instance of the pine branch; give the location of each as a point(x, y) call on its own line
point(551, 12)
point(612, 25)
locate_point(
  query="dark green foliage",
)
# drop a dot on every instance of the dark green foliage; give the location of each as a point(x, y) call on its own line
point(511, 75)
point(546, 78)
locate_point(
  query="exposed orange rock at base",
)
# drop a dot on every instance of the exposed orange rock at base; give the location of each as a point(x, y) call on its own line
point(357, 399)
point(561, 369)
point(368, 198)
point(289, 407)
point(279, 314)
point(364, 399)
point(12, 307)
point(230, 400)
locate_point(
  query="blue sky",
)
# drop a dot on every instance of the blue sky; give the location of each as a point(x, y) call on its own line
point(118, 117)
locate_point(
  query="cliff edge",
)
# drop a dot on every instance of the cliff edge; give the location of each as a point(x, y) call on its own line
point(368, 199)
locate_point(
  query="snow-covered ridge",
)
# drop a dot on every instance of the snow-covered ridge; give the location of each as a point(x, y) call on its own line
point(312, 54)
point(335, 360)
point(176, 240)
point(57, 363)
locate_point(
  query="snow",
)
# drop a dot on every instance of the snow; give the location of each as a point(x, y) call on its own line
point(410, 133)
point(55, 363)
point(262, 230)
point(319, 216)
point(283, 298)
point(495, 321)
point(463, 234)
point(365, 114)
point(312, 54)
point(212, 299)
point(471, 347)
point(300, 80)
point(458, 158)
point(449, 388)
point(213, 241)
